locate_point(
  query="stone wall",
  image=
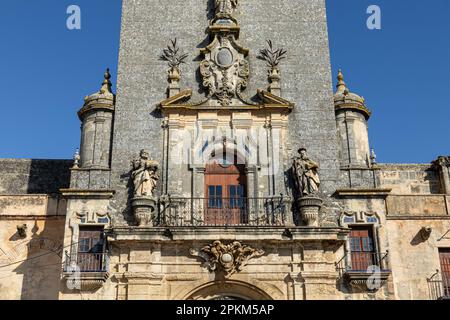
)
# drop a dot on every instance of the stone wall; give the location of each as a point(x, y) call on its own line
point(409, 178)
point(31, 176)
point(166, 270)
point(414, 259)
point(30, 265)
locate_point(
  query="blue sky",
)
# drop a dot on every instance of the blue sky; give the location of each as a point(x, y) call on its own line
point(402, 70)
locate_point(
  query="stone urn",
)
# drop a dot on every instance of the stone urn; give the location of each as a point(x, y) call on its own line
point(144, 209)
point(309, 210)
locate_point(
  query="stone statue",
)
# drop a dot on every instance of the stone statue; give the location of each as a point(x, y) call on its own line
point(306, 177)
point(144, 175)
point(225, 7)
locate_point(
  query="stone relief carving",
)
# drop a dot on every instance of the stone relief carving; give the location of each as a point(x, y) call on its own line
point(229, 258)
point(144, 175)
point(225, 71)
point(358, 217)
point(306, 177)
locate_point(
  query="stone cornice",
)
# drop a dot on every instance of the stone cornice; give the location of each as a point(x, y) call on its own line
point(251, 233)
point(363, 192)
point(86, 193)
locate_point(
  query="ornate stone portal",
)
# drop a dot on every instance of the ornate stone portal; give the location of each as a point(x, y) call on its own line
point(145, 180)
point(307, 183)
point(228, 259)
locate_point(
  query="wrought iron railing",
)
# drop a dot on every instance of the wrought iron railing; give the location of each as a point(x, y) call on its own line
point(362, 262)
point(237, 211)
point(439, 286)
point(87, 262)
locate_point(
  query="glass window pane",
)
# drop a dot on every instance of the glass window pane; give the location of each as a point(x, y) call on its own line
point(211, 191)
point(355, 245)
point(367, 244)
point(232, 191)
point(219, 191)
point(241, 191)
point(84, 245)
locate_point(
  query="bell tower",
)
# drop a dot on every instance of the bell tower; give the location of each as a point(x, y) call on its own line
point(257, 80)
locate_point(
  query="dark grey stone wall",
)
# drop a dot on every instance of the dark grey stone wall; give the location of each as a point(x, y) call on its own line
point(30, 176)
point(298, 26)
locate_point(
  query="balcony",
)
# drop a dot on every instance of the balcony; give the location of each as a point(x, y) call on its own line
point(210, 212)
point(88, 271)
point(439, 286)
point(364, 270)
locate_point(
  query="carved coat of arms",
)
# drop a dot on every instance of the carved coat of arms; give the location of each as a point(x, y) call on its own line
point(229, 258)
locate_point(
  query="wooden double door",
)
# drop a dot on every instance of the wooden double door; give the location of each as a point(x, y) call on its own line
point(226, 194)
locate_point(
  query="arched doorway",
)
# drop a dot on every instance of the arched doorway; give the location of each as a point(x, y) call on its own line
point(229, 290)
point(225, 193)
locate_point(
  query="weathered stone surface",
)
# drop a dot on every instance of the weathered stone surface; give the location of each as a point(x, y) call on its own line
point(306, 77)
point(28, 176)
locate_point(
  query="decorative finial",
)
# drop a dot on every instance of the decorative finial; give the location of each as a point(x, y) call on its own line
point(106, 84)
point(174, 57)
point(273, 58)
point(373, 157)
point(341, 86)
point(76, 159)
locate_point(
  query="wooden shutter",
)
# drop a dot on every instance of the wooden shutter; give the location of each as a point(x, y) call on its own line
point(362, 248)
point(90, 249)
point(444, 255)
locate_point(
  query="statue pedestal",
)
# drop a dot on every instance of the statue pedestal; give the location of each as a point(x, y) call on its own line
point(144, 209)
point(309, 210)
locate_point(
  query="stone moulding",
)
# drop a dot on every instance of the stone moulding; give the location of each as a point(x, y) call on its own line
point(86, 193)
point(362, 192)
point(309, 210)
point(360, 280)
point(144, 209)
point(122, 233)
point(228, 259)
point(89, 281)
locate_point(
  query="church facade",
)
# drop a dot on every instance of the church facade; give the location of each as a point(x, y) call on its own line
point(224, 167)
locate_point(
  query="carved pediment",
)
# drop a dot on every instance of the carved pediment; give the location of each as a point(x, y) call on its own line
point(270, 99)
point(176, 100)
